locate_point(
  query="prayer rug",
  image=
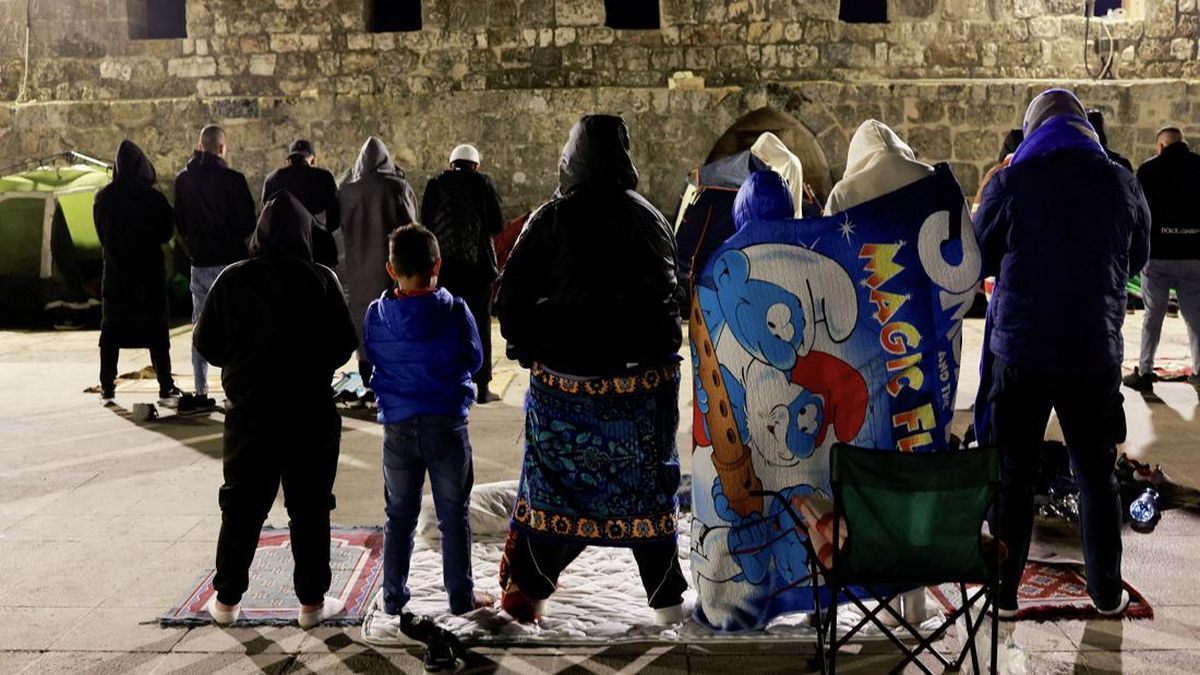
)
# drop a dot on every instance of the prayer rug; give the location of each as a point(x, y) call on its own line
point(356, 559)
point(1053, 592)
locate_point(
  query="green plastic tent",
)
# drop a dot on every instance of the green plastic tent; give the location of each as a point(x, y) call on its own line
point(50, 255)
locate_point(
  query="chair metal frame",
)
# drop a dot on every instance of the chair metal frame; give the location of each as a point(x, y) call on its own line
point(828, 640)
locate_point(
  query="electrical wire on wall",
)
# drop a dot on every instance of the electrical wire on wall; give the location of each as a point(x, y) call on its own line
point(1107, 61)
point(28, 30)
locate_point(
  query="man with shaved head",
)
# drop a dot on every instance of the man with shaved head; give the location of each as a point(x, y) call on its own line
point(214, 212)
point(1169, 180)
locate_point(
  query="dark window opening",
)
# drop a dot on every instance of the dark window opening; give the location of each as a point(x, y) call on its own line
point(863, 11)
point(394, 16)
point(1102, 7)
point(631, 14)
point(157, 19)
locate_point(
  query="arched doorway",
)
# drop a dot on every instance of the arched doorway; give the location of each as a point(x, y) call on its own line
point(742, 134)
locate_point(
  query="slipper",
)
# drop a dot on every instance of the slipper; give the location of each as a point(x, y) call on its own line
point(331, 608)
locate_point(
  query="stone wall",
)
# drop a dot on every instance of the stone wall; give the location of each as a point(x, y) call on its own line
point(512, 75)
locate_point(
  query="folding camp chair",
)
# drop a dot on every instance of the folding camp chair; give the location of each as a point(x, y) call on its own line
point(912, 520)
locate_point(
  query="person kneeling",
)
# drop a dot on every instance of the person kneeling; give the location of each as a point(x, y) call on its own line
point(278, 327)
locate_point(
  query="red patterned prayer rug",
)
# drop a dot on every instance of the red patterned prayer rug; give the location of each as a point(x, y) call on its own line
point(1052, 592)
point(356, 560)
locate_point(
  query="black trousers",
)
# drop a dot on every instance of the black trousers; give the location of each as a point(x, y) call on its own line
point(159, 356)
point(299, 451)
point(476, 290)
point(1089, 408)
point(534, 565)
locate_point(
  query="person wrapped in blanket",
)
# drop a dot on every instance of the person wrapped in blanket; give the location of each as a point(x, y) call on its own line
point(589, 301)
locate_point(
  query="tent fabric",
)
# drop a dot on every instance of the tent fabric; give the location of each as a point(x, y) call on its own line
point(49, 251)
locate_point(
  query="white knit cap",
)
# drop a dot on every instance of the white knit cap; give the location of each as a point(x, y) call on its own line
point(465, 151)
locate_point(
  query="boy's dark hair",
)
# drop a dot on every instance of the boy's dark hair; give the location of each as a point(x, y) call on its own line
point(412, 250)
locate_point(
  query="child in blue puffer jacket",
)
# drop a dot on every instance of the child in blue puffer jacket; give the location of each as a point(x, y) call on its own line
point(425, 347)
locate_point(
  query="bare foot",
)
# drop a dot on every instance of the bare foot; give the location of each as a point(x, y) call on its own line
point(308, 609)
point(484, 600)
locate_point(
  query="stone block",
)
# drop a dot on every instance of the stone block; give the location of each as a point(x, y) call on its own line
point(1183, 49)
point(192, 66)
point(579, 12)
point(262, 65)
point(115, 70)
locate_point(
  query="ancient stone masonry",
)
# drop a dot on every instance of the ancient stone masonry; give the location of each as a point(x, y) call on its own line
point(512, 75)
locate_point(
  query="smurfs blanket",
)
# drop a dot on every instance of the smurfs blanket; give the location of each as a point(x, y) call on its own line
point(805, 333)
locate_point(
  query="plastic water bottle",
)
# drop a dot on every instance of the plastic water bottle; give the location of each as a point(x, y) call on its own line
point(1144, 511)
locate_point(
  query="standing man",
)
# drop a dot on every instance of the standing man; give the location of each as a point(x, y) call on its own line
point(277, 326)
point(317, 191)
point(214, 211)
point(1061, 228)
point(1170, 180)
point(133, 221)
point(374, 201)
point(602, 342)
point(461, 207)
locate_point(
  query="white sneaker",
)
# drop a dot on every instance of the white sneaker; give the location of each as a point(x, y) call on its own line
point(1119, 609)
point(331, 608)
point(222, 617)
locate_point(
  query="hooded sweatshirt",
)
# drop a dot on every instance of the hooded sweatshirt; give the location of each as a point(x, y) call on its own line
point(591, 287)
point(133, 221)
point(424, 348)
point(214, 211)
point(374, 201)
point(782, 161)
point(764, 197)
point(1061, 228)
point(878, 163)
point(276, 324)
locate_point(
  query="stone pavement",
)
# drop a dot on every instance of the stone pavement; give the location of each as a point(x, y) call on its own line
point(104, 523)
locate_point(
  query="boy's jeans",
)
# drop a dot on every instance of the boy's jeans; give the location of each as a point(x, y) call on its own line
point(440, 445)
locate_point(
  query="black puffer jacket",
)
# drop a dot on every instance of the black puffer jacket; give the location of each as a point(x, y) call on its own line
point(462, 208)
point(591, 287)
point(214, 211)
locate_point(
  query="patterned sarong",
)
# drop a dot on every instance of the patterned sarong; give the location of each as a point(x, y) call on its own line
point(601, 464)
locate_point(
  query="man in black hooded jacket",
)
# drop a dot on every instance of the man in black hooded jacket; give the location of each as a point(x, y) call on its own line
point(589, 299)
point(278, 326)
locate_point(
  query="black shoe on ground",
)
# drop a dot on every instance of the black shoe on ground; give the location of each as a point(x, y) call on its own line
point(486, 396)
point(1139, 381)
point(440, 657)
point(169, 398)
point(108, 397)
point(196, 403)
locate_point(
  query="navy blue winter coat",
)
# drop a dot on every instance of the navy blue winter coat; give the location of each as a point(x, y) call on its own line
point(1062, 232)
point(424, 348)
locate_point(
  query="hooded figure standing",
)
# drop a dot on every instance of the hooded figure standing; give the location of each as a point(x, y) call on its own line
point(878, 163)
point(374, 201)
point(277, 323)
point(133, 221)
point(1061, 228)
point(589, 301)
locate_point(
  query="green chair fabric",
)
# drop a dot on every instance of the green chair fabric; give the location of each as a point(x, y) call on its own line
point(913, 519)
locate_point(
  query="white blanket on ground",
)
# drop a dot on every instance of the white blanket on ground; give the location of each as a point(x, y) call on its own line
point(600, 599)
